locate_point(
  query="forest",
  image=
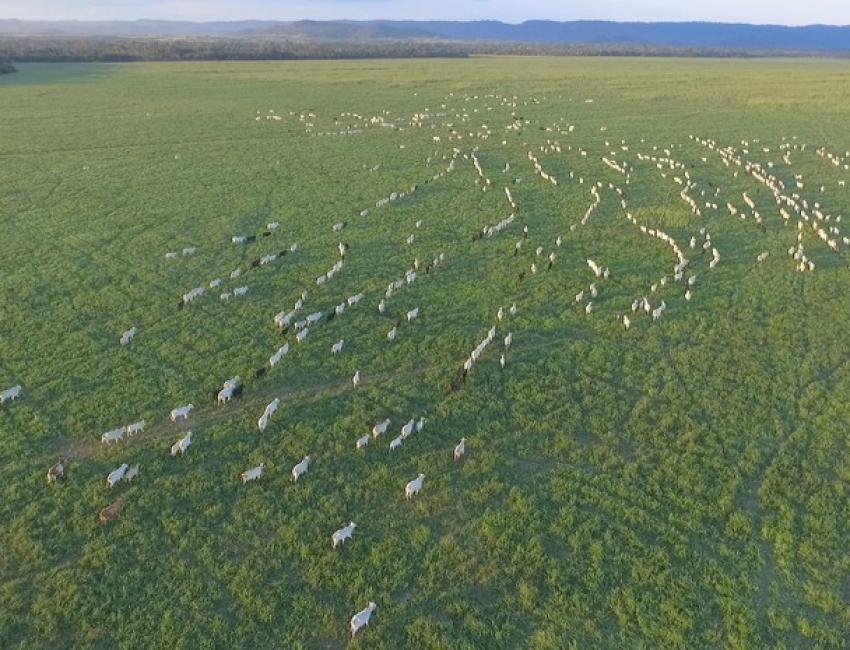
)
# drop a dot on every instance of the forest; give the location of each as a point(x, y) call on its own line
point(45, 49)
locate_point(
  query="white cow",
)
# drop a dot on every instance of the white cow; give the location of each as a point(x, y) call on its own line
point(362, 441)
point(132, 473)
point(182, 445)
point(413, 487)
point(113, 436)
point(380, 428)
point(460, 449)
point(136, 427)
point(252, 474)
point(413, 314)
point(10, 393)
point(277, 356)
point(343, 534)
point(420, 424)
point(270, 410)
point(301, 468)
point(392, 334)
point(355, 380)
point(407, 429)
point(336, 348)
point(395, 443)
point(361, 618)
point(181, 412)
point(509, 339)
point(240, 291)
point(127, 336)
point(116, 475)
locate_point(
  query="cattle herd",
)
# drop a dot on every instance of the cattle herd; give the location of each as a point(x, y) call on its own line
point(809, 224)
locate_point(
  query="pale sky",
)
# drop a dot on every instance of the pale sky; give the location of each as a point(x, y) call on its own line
point(784, 12)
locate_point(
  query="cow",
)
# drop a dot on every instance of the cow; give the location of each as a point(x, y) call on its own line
point(181, 413)
point(116, 475)
point(56, 471)
point(413, 487)
point(182, 445)
point(361, 618)
point(252, 474)
point(111, 512)
point(10, 394)
point(460, 449)
point(301, 468)
point(343, 534)
point(114, 435)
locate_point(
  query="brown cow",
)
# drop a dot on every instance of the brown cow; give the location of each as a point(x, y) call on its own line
point(112, 511)
point(56, 471)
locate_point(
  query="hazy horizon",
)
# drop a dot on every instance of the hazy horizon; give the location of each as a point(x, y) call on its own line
point(757, 12)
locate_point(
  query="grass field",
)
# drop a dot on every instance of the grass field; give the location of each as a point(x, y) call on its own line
point(680, 484)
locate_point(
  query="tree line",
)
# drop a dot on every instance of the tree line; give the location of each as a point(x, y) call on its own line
point(6, 66)
point(115, 49)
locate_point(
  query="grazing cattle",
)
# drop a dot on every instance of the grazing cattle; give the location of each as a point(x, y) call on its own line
point(277, 356)
point(597, 271)
point(56, 471)
point(302, 335)
point(136, 427)
point(271, 409)
point(413, 487)
point(182, 445)
point(512, 310)
point(111, 512)
point(343, 534)
point(380, 428)
point(336, 348)
point(392, 334)
point(362, 441)
point(214, 284)
point(252, 474)
point(240, 291)
point(413, 314)
point(10, 394)
point(127, 336)
point(181, 413)
point(407, 429)
point(502, 361)
point(231, 388)
point(460, 449)
point(626, 322)
point(361, 618)
point(382, 307)
point(116, 475)
point(509, 339)
point(420, 424)
point(396, 442)
point(113, 436)
point(355, 380)
point(132, 473)
point(301, 468)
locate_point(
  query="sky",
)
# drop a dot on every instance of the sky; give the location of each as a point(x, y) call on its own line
point(785, 12)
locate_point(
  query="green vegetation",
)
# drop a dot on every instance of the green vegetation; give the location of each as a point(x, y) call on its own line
point(6, 66)
point(681, 484)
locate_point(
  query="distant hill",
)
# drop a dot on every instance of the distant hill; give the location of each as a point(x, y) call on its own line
point(342, 30)
point(693, 35)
